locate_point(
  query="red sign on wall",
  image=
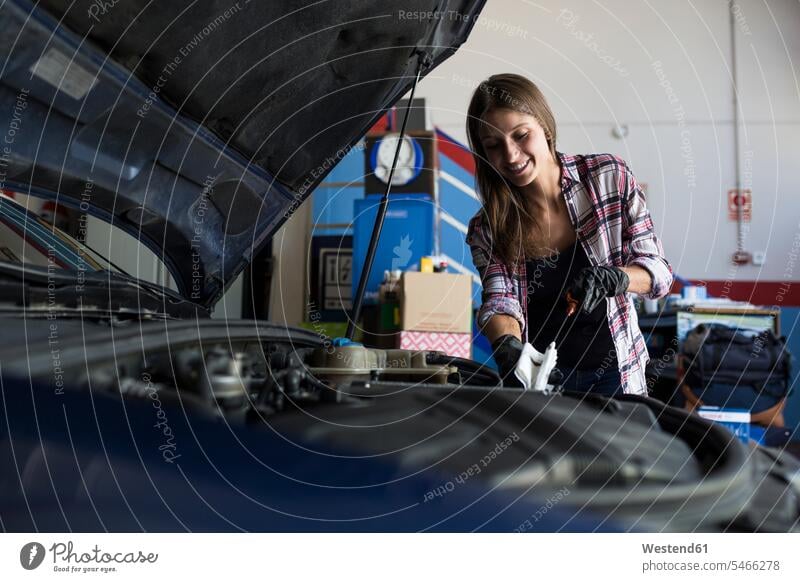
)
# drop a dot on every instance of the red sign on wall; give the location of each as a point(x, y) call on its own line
point(740, 199)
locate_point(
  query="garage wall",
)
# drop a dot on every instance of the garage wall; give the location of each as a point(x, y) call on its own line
point(662, 70)
point(290, 247)
point(125, 251)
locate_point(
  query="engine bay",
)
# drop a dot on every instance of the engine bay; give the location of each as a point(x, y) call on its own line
point(249, 379)
point(631, 458)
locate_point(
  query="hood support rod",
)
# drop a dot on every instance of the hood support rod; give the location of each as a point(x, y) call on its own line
point(422, 59)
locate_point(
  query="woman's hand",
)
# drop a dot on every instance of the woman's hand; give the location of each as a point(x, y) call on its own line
point(503, 332)
point(507, 350)
point(593, 284)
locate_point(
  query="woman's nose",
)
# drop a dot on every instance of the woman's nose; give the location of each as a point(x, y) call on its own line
point(510, 153)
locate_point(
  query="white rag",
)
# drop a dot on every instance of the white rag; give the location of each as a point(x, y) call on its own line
point(534, 367)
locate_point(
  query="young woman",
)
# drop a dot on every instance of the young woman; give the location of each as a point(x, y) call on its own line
point(550, 224)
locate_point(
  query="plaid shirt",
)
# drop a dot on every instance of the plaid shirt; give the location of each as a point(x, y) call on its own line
point(607, 210)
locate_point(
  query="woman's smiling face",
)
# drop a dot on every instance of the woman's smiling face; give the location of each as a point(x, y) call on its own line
point(515, 145)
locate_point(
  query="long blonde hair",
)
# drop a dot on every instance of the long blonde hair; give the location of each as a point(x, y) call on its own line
point(506, 209)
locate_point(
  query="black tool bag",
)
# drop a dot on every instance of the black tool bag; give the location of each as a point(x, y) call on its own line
point(718, 356)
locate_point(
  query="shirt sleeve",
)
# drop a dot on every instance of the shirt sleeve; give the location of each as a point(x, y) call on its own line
point(498, 295)
point(641, 246)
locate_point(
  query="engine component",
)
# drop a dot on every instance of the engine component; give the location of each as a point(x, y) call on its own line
point(340, 365)
point(218, 376)
point(227, 378)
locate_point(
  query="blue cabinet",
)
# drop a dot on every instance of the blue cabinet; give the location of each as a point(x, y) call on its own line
point(407, 236)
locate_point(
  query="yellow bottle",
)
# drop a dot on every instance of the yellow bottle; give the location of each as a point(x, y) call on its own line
point(426, 265)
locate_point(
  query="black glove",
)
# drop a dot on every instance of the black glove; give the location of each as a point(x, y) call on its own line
point(506, 351)
point(593, 284)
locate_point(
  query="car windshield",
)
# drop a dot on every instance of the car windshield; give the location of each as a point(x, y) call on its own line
point(28, 238)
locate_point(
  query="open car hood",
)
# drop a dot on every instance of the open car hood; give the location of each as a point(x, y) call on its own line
point(199, 127)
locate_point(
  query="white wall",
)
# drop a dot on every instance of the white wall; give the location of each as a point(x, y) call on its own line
point(290, 248)
point(664, 70)
point(125, 251)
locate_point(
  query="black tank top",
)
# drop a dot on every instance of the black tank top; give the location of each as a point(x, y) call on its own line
point(584, 340)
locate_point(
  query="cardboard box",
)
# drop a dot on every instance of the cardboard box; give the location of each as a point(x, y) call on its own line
point(436, 302)
point(452, 344)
